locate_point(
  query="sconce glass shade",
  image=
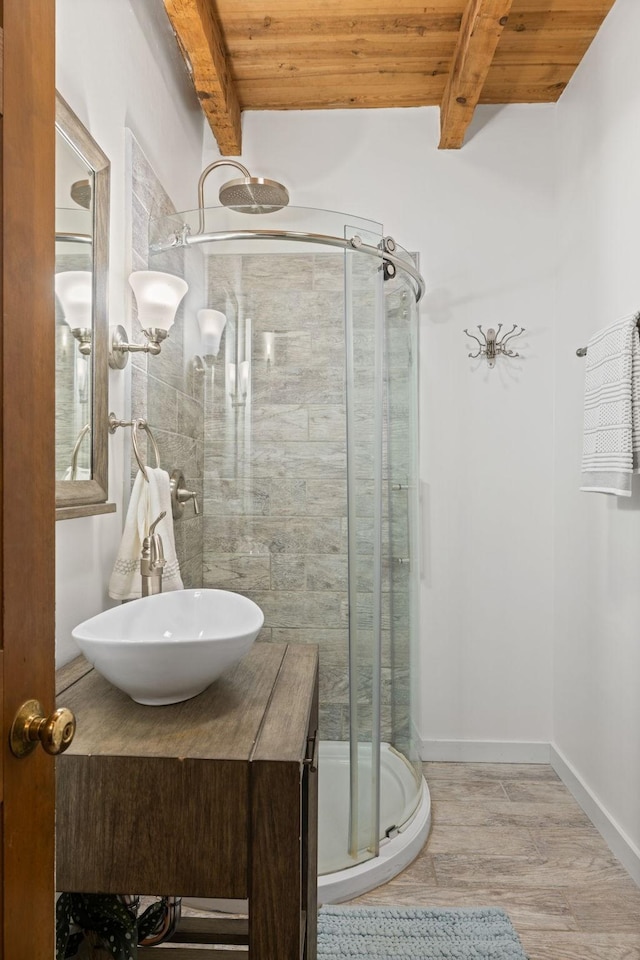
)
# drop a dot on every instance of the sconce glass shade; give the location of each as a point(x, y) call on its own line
point(158, 296)
point(212, 324)
point(238, 380)
point(74, 289)
point(269, 347)
point(245, 376)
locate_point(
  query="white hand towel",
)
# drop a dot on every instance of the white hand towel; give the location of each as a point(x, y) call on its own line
point(611, 450)
point(147, 502)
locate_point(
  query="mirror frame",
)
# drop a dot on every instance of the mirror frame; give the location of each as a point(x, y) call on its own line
point(78, 498)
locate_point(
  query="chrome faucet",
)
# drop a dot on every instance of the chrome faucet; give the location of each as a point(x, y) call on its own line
point(152, 560)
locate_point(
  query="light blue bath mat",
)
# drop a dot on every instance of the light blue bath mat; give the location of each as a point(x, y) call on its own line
point(395, 933)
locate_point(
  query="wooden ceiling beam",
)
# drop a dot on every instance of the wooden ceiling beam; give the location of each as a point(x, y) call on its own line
point(480, 30)
point(202, 45)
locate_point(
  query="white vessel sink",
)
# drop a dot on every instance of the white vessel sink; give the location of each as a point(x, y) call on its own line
point(172, 646)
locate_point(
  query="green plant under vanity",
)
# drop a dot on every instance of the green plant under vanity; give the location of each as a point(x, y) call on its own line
point(104, 921)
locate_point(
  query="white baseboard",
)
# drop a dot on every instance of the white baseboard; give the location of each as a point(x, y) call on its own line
point(485, 751)
point(615, 837)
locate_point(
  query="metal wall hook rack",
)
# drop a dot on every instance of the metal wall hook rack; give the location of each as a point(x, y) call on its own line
point(493, 345)
point(137, 424)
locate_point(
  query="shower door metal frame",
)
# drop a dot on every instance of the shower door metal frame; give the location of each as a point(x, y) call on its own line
point(353, 243)
point(364, 838)
point(406, 487)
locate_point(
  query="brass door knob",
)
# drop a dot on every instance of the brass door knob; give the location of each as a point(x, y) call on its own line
point(31, 727)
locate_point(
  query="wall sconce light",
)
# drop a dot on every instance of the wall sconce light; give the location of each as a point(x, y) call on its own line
point(74, 289)
point(158, 297)
point(212, 324)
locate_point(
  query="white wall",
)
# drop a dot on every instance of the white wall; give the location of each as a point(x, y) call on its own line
point(483, 222)
point(118, 66)
point(597, 554)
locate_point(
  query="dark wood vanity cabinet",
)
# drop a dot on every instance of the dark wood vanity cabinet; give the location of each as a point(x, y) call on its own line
point(213, 797)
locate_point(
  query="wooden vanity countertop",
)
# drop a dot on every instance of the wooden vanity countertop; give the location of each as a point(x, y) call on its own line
point(133, 772)
point(222, 723)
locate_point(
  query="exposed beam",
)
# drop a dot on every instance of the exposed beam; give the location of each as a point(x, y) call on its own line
point(480, 30)
point(200, 39)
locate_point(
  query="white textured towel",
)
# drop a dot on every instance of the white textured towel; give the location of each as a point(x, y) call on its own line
point(148, 500)
point(612, 409)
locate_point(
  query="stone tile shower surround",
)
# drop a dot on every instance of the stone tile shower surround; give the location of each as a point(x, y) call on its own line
point(276, 466)
point(164, 389)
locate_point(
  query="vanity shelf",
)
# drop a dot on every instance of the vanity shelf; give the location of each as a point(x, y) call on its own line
point(212, 797)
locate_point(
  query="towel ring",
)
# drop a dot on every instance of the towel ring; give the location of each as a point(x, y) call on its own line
point(139, 423)
point(143, 425)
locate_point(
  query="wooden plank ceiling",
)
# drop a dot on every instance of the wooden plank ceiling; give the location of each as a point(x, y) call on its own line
point(325, 54)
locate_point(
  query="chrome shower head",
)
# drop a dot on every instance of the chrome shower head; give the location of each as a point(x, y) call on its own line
point(253, 195)
point(81, 193)
point(247, 194)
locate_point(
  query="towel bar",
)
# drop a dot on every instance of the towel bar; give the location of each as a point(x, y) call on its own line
point(582, 351)
point(136, 424)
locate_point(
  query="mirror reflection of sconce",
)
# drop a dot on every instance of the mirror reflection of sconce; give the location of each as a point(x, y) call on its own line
point(212, 324)
point(269, 348)
point(74, 289)
point(239, 376)
point(158, 297)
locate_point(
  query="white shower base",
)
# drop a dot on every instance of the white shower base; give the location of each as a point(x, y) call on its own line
point(338, 880)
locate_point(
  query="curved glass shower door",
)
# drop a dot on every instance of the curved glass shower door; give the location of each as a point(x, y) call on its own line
point(364, 341)
point(382, 430)
point(401, 550)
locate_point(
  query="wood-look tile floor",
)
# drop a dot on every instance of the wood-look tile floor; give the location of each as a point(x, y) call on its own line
point(512, 836)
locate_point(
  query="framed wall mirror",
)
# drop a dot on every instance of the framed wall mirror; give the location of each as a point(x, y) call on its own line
point(81, 318)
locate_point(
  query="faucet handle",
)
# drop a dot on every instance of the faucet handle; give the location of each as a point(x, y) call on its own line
point(185, 495)
point(180, 495)
point(152, 528)
point(152, 548)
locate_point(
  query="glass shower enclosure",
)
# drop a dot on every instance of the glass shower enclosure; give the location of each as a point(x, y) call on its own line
point(304, 425)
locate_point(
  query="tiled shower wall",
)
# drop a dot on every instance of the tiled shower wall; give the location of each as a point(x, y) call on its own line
point(276, 469)
point(165, 389)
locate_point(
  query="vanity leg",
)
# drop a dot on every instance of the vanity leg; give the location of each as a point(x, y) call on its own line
point(276, 908)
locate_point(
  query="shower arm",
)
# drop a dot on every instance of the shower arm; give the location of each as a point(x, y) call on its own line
point(203, 176)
